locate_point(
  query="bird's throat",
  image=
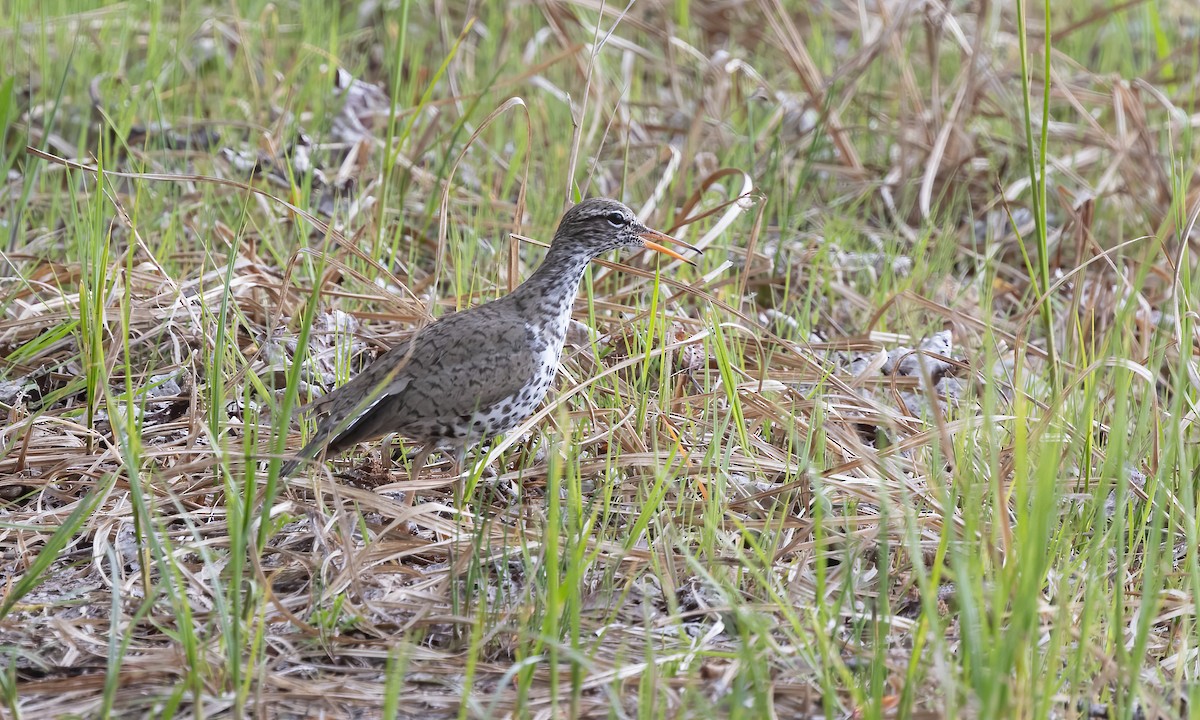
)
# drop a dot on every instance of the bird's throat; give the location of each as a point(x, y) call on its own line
point(550, 291)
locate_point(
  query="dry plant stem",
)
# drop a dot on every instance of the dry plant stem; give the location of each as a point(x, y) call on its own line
point(834, 470)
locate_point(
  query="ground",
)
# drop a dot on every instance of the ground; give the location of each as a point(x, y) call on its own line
point(915, 438)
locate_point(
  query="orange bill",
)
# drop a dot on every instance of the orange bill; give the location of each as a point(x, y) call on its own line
point(651, 235)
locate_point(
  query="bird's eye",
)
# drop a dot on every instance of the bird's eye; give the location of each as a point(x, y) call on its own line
point(616, 219)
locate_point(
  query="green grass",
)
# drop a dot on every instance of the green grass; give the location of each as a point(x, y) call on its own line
point(731, 506)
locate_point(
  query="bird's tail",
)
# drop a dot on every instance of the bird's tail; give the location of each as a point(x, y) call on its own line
point(332, 437)
point(339, 431)
point(318, 442)
point(289, 467)
point(307, 453)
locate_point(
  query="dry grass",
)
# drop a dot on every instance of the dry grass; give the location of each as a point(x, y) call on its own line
point(839, 470)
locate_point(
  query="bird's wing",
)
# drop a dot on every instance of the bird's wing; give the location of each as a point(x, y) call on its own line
point(465, 362)
point(447, 370)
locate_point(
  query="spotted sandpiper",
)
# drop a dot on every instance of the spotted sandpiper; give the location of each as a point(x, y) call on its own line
point(478, 373)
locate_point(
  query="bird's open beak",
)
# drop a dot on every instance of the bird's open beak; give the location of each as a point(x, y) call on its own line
point(650, 236)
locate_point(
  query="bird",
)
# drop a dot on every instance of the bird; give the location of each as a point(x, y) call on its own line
point(478, 373)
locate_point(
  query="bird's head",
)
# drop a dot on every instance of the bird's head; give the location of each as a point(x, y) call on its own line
point(598, 225)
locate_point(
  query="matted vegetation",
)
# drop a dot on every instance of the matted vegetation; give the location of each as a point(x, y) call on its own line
point(916, 439)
